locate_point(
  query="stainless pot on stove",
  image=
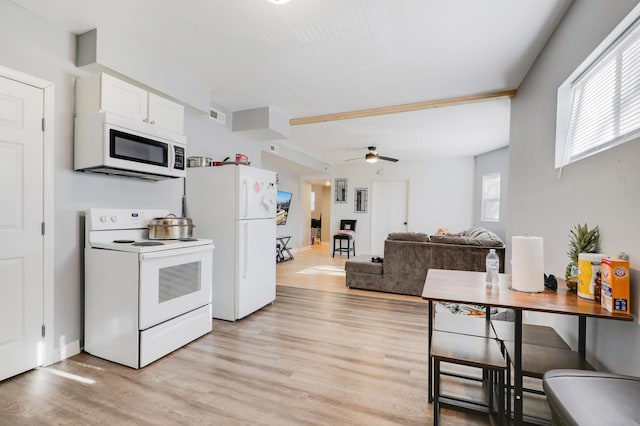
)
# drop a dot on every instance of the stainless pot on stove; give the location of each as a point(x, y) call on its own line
point(199, 162)
point(170, 227)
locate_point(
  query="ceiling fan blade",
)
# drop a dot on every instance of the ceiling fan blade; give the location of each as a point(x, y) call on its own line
point(353, 159)
point(395, 160)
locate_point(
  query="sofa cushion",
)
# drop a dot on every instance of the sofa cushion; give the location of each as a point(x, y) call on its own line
point(466, 241)
point(472, 237)
point(480, 233)
point(408, 236)
point(363, 264)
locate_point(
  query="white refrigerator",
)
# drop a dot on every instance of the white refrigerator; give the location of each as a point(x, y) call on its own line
point(235, 206)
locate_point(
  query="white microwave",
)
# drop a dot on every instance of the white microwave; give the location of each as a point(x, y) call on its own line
point(115, 145)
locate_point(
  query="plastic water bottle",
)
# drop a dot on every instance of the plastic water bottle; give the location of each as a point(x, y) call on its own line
point(493, 266)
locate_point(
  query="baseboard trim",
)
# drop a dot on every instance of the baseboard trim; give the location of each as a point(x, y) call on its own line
point(66, 351)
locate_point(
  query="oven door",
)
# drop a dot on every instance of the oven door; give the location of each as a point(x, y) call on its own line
point(173, 282)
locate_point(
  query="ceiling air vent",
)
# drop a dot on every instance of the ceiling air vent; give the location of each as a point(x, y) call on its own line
point(218, 116)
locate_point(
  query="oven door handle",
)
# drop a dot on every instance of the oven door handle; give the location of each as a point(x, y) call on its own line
point(176, 252)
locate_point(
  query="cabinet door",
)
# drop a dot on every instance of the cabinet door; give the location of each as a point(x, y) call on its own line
point(122, 98)
point(166, 114)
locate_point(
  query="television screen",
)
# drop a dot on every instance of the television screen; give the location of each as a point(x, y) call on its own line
point(282, 211)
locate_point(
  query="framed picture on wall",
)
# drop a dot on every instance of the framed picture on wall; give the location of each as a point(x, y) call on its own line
point(360, 196)
point(340, 190)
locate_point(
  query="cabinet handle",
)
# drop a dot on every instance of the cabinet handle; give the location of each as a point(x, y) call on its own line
point(146, 120)
point(153, 121)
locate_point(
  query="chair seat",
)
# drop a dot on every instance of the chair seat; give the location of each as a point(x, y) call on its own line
point(343, 237)
point(532, 334)
point(537, 360)
point(589, 397)
point(468, 350)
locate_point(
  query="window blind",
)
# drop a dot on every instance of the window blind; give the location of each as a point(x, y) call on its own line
point(605, 100)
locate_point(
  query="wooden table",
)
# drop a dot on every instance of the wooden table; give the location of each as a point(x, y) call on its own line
point(470, 287)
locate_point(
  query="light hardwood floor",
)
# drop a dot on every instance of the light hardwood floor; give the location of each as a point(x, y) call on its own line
point(316, 269)
point(320, 355)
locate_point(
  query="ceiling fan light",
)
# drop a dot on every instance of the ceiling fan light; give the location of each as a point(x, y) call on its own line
point(371, 158)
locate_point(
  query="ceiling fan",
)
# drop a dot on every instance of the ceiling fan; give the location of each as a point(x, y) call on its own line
point(372, 156)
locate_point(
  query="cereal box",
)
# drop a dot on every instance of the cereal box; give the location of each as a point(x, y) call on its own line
point(615, 285)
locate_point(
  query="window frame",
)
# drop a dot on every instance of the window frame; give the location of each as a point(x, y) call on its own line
point(485, 198)
point(565, 95)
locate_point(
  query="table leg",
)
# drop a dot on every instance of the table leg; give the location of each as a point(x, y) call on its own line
point(582, 336)
point(430, 374)
point(485, 373)
point(517, 369)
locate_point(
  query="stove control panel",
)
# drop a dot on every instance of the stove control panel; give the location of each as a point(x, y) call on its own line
point(111, 219)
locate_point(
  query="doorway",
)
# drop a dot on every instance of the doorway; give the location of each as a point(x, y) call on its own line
point(319, 212)
point(26, 296)
point(388, 211)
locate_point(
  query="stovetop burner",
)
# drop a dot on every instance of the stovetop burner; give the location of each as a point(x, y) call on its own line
point(148, 243)
point(187, 239)
point(123, 241)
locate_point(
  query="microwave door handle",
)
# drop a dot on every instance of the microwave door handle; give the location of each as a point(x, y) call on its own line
point(172, 157)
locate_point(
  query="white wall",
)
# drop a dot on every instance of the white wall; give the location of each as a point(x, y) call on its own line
point(492, 162)
point(208, 138)
point(440, 194)
point(600, 190)
point(33, 46)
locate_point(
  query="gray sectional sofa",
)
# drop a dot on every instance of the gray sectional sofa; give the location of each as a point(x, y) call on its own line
point(409, 255)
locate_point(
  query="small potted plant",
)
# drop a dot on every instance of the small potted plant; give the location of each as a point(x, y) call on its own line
point(581, 240)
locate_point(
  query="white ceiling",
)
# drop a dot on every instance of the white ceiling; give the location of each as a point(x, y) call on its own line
point(311, 57)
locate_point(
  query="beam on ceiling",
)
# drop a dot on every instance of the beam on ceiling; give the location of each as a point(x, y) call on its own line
point(394, 109)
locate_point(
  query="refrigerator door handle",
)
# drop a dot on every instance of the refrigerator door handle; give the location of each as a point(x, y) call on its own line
point(246, 198)
point(246, 249)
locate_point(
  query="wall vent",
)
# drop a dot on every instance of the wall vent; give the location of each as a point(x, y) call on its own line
point(218, 116)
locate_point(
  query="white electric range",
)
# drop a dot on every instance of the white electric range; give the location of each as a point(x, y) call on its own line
point(143, 298)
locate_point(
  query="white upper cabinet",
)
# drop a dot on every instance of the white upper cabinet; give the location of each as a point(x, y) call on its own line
point(166, 114)
point(102, 92)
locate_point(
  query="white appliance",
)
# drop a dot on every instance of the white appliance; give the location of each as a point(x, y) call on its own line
point(235, 206)
point(112, 144)
point(143, 298)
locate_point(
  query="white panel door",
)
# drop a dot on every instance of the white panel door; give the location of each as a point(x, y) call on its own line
point(21, 215)
point(257, 267)
point(388, 212)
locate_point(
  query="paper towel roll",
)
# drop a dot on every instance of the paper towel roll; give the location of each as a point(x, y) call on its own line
point(527, 264)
